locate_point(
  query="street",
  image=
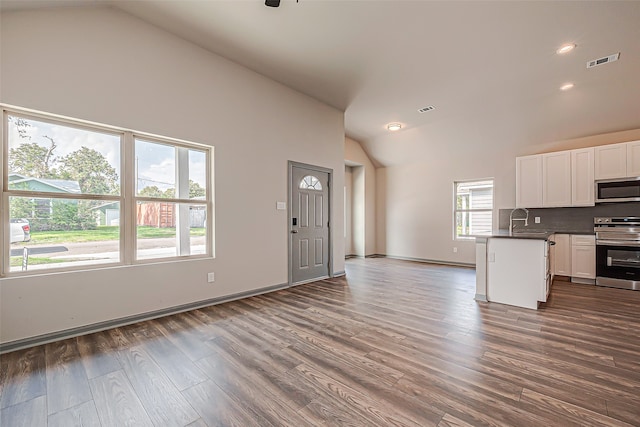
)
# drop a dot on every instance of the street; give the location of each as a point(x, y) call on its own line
point(87, 253)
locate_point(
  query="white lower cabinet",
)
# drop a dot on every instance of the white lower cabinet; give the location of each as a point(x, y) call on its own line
point(562, 255)
point(517, 271)
point(583, 257)
point(574, 255)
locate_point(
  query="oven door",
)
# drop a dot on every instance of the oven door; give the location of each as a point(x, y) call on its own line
point(618, 265)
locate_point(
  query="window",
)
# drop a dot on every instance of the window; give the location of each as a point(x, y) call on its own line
point(473, 211)
point(171, 188)
point(69, 180)
point(310, 182)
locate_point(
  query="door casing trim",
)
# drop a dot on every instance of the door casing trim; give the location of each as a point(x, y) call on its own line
point(291, 165)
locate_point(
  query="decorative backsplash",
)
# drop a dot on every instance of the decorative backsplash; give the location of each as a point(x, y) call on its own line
point(568, 220)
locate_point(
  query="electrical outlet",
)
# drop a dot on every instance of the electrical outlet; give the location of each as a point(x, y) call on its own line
point(211, 277)
point(537, 220)
point(455, 250)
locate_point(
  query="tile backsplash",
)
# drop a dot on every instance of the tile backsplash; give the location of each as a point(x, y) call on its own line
point(568, 220)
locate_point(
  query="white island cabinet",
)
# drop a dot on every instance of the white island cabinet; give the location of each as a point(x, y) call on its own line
point(516, 271)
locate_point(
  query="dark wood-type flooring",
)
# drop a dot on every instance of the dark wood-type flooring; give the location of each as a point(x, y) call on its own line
point(393, 344)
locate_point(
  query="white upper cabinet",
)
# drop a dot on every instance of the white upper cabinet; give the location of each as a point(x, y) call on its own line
point(567, 178)
point(582, 177)
point(529, 181)
point(611, 161)
point(556, 179)
point(633, 158)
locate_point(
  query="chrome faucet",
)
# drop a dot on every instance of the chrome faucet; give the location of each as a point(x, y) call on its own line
point(511, 218)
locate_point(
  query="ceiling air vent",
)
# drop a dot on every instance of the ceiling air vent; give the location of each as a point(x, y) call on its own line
point(604, 60)
point(425, 109)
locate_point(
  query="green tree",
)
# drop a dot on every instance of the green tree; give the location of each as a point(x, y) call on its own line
point(151, 191)
point(31, 159)
point(72, 215)
point(195, 190)
point(20, 207)
point(92, 171)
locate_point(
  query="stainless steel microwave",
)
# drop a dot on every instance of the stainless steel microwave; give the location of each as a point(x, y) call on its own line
point(618, 190)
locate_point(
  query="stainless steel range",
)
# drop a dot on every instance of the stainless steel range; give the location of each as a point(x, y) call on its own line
point(618, 252)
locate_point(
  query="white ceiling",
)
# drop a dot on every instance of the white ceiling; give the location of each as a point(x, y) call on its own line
point(380, 61)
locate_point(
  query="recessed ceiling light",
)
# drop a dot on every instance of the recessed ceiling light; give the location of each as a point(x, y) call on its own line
point(394, 126)
point(566, 86)
point(565, 48)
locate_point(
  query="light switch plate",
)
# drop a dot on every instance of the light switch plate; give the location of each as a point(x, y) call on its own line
point(281, 206)
point(537, 220)
point(211, 277)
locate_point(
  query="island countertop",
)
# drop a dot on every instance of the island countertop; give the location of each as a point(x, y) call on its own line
point(537, 235)
point(533, 234)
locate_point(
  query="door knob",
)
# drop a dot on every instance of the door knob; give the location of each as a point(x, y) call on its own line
point(294, 231)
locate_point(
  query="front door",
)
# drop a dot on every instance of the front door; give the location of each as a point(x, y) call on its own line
point(309, 223)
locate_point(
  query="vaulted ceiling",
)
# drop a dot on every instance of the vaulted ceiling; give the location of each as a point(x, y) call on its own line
point(480, 64)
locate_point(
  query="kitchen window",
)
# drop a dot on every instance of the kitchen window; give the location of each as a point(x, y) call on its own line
point(79, 185)
point(473, 209)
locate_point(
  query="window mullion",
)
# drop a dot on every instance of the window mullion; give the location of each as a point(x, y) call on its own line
point(128, 236)
point(182, 192)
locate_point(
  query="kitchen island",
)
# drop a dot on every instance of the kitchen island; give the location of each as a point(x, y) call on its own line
point(513, 268)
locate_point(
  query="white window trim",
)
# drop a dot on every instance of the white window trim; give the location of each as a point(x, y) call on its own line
point(456, 210)
point(208, 202)
point(127, 198)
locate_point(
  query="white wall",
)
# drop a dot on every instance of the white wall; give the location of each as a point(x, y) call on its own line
point(105, 66)
point(415, 192)
point(358, 212)
point(381, 211)
point(363, 200)
point(348, 213)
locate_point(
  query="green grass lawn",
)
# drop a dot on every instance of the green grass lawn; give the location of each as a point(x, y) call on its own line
point(103, 233)
point(16, 261)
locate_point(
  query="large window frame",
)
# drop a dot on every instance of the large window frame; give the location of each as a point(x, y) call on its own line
point(127, 198)
point(466, 211)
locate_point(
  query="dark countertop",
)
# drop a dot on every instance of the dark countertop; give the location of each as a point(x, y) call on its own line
point(536, 235)
point(532, 234)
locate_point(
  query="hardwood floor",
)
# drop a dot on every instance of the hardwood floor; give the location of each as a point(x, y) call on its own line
point(394, 344)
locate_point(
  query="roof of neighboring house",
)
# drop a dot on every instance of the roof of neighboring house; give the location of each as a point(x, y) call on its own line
point(104, 206)
point(65, 185)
